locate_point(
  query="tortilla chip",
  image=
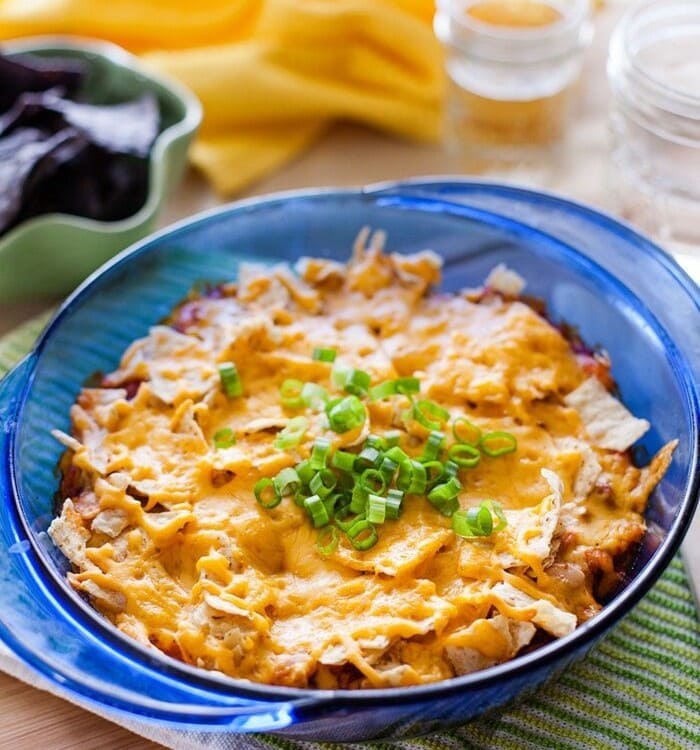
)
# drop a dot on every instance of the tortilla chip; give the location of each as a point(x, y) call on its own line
point(607, 421)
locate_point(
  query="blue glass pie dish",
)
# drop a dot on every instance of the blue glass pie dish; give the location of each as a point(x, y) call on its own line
point(622, 292)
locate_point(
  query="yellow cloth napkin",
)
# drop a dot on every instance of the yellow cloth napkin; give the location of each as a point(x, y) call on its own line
point(271, 74)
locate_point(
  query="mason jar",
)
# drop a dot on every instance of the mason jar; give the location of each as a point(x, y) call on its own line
point(654, 76)
point(511, 68)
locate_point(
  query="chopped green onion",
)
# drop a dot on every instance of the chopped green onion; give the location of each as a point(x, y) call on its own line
point(292, 434)
point(388, 468)
point(372, 480)
point(367, 459)
point(464, 455)
point(338, 375)
point(429, 414)
point(324, 355)
point(266, 493)
point(346, 414)
point(359, 497)
point(478, 522)
point(319, 454)
point(404, 386)
point(305, 471)
point(287, 482)
point(376, 509)
point(396, 454)
point(434, 471)
point(433, 446)
point(382, 390)
point(230, 380)
point(362, 535)
point(412, 477)
point(444, 496)
point(450, 469)
point(290, 394)
point(331, 501)
point(407, 386)
point(394, 498)
point(498, 443)
point(314, 396)
point(375, 441)
point(323, 483)
point(327, 540)
point(299, 498)
point(317, 510)
point(357, 382)
point(224, 438)
point(343, 460)
point(465, 431)
point(392, 439)
point(343, 519)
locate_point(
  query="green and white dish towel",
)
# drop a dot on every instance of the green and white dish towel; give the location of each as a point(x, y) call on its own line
point(639, 688)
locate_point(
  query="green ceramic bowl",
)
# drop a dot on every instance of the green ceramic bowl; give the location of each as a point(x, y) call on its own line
point(52, 253)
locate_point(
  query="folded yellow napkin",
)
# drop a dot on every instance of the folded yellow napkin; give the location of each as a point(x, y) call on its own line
point(271, 74)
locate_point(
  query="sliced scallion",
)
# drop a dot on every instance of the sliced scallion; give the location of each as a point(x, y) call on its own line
point(224, 438)
point(230, 380)
point(292, 434)
point(322, 354)
point(498, 443)
point(266, 493)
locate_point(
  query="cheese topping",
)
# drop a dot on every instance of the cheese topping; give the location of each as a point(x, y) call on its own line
point(167, 539)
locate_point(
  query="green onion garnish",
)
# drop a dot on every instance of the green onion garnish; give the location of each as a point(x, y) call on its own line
point(343, 460)
point(464, 455)
point(357, 382)
point(429, 414)
point(266, 493)
point(433, 446)
point(406, 386)
point(394, 498)
point(287, 482)
point(323, 483)
point(224, 438)
point(358, 499)
point(444, 496)
point(290, 394)
point(450, 469)
point(372, 480)
point(344, 517)
point(382, 390)
point(319, 454)
point(316, 510)
point(314, 396)
point(324, 355)
point(305, 471)
point(412, 477)
point(362, 535)
point(327, 540)
point(345, 414)
point(434, 471)
point(388, 468)
point(396, 454)
point(465, 431)
point(392, 439)
point(375, 441)
point(292, 434)
point(478, 522)
point(376, 509)
point(230, 380)
point(498, 443)
point(368, 458)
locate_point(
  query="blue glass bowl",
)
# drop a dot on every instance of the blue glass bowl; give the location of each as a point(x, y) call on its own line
point(642, 309)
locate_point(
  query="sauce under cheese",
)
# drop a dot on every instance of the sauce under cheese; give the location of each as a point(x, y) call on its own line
point(169, 543)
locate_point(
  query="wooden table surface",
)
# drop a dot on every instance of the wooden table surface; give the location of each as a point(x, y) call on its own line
point(348, 155)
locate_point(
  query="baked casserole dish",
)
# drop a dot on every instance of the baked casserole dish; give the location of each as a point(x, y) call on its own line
point(333, 476)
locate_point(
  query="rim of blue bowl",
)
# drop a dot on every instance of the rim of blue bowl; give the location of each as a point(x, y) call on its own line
point(552, 652)
point(120, 58)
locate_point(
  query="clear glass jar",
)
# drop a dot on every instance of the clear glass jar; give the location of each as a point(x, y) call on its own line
point(511, 66)
point(654, 75)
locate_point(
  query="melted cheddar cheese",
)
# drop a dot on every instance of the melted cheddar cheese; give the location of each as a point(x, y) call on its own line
point(168, 542)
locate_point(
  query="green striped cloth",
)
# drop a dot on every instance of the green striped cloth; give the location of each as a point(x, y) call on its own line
point(639, 688)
